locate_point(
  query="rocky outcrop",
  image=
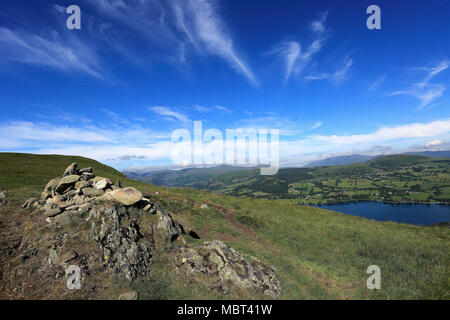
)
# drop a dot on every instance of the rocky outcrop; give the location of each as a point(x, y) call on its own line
point(125, 250)
point(227, 266)
point(111, 214)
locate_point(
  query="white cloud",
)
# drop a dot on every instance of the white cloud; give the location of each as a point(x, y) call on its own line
point(316, 125)
point(169, 113)
point(434, 143)
point(376, 84)
point(173, 26)
point(53, 51)
point(291, 51)
point(133, 143)
point(222, 108)
point(202, 25)
point(336, 76)
point(200, 108)
point(425, 91)
point(114, 116)
point(19, 134)
point(415, 130)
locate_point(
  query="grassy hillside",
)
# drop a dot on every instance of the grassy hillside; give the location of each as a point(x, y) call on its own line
point(19, 169)
point(318, 254)
point(396, 178)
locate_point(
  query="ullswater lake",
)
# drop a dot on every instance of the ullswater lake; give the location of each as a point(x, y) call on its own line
point(420, 214)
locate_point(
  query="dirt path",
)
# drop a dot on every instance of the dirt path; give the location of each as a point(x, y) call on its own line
point(230, 217)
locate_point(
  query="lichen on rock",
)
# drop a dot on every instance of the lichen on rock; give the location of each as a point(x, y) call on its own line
point(225, 265)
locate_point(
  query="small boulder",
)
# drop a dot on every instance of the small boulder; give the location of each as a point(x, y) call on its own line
point(63, 219)
point(127, 196)
point(67, 183)
point(85, 170)
point(81, 184)
point(87, 176)
point(97, 179)
point(92, 192)
point(130, 295)
point(3, 195)
point(204, 206)
point(70, 255)
point(101, 185)
point(32, 202)
point(71, 170)
point(53, 212)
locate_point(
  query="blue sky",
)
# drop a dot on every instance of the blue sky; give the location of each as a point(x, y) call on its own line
point(137, 70)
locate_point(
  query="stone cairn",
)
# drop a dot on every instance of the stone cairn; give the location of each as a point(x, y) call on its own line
point(81, 197)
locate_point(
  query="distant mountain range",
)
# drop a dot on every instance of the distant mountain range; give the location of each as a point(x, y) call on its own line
point(355, 158)
point(181, 177)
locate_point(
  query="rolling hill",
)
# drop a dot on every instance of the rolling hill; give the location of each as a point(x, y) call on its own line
point(317, 254)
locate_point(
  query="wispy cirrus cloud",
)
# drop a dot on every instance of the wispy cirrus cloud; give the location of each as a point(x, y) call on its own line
point(377, 83)
point(168, 113)
point(424, 91)
point(200, 108)
point(295, 58)
point(53, 50)
point(176, 27)
point(206, 32)
point(316, 125)
point(336, 76)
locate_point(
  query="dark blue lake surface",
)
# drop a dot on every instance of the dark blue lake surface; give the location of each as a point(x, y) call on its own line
point(422, 214)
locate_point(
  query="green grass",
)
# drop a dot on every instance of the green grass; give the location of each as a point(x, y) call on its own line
point(318, 254)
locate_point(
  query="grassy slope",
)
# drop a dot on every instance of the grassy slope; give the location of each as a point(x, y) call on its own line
point(319, 254)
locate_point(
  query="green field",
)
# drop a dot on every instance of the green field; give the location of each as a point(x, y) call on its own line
point(318, 254)
point(397, 178)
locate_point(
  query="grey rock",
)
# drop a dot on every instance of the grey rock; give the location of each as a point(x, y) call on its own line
point(30, 203)
point(91, 192)
point(87, 176)
point(168, 229)
point(82, 184)
point(51, 185)
point(85, 170)
point(127, 196)
point(125, 250)
point(66, 183)
point(53, 255)
point(226, 266)
point(78, 200)
point(101, 185)
point(71, 170)
point(64, 218)
point(53, 212)
point(130, 295)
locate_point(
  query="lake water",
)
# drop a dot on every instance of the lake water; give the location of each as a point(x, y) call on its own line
point(422, 214)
